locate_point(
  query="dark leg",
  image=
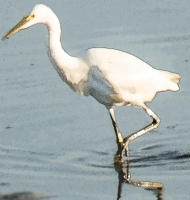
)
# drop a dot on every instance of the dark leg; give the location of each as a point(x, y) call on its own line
point(119, 137)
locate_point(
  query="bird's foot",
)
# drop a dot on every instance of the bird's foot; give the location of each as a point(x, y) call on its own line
point(123, 149)
point(118, 158)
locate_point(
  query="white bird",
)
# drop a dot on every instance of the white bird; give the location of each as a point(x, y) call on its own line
point(112, 77)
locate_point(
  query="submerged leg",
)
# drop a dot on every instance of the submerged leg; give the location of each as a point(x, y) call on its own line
point(153, 125)
point(119, 138)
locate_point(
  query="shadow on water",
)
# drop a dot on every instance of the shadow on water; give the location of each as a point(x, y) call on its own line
point(124, 176)
point(24, 196)
point(164, 158)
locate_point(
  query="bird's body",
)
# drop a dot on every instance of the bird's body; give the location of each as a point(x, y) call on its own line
point(112, 77)
point(123, 78)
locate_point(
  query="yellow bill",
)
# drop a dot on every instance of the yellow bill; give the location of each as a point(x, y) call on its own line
point(18, 27)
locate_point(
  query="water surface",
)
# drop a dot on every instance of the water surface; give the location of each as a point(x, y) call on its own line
point(55, 144)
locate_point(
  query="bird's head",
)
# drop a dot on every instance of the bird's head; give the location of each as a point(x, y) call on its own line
point(38, 15)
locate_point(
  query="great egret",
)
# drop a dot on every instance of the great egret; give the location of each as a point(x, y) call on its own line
point(112, 77)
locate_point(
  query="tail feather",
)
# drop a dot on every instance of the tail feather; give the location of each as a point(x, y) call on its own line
point(176, 78)
point(173, 78)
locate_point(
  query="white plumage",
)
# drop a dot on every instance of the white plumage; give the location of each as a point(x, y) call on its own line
point(112, 77)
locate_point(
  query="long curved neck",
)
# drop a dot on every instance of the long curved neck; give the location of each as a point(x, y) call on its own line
point(62, 61)
point(55, 46)
point(71, 69)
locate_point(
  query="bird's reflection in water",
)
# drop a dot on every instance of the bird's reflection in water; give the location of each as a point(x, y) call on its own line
point(124, 176)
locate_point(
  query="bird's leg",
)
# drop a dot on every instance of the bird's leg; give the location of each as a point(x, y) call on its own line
point(119, 137)
point(153, 125)
point(126, 148)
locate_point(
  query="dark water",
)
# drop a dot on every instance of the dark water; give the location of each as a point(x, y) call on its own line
point(55, 144)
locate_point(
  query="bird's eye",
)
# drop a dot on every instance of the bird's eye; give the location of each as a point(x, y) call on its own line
point(32, 16)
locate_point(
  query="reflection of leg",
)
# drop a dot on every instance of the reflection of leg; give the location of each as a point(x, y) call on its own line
point(146, 129)
point(119, 189)
point(127, 173)
point(125, 177)
point(119, 138)
point(121, 176)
